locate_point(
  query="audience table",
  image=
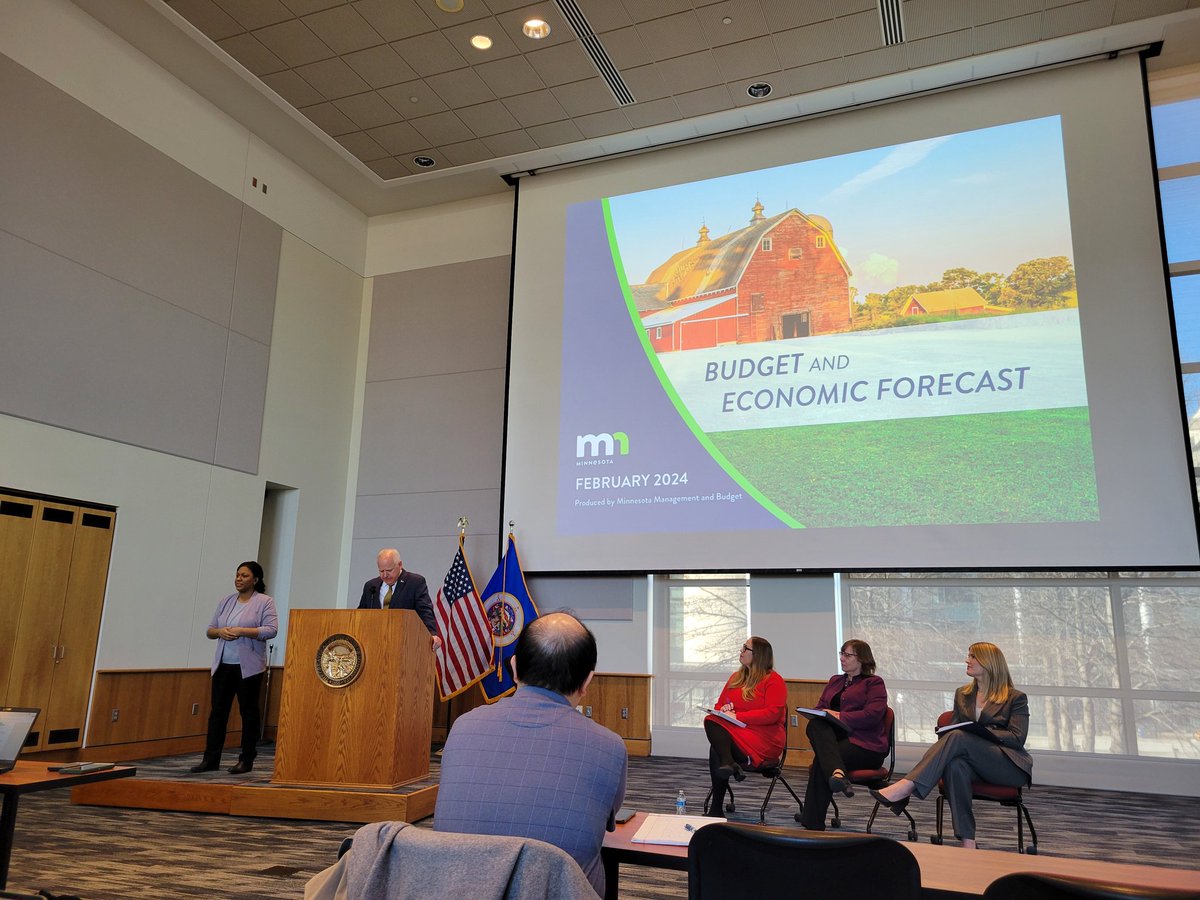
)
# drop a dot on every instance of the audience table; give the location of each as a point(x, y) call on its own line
point(28, 777)
point(946, 871)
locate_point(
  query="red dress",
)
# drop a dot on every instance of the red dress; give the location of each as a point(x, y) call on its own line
point(765, 715)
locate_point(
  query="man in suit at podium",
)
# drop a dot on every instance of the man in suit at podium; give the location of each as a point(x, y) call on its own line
point(397, 589)
point(530, 765)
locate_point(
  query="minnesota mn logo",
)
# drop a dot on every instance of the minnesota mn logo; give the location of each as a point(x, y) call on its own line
point(506, 616)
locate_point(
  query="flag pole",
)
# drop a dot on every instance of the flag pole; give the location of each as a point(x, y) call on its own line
point(503, 590)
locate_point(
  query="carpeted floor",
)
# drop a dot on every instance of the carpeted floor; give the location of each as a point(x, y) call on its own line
point(98, 852)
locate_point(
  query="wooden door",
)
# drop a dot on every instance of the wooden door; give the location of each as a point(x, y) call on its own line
point(72, 680)
point(17, 518)
point(47, 574)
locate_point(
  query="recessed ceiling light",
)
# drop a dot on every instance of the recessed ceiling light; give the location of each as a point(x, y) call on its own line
point(425, 162)
point(450, 6)
point(758, 90)
point(481, 42)
point(536, 29)
point(727, 21)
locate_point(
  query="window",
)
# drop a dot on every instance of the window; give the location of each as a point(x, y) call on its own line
point(702, 622)
point(795, 252)
point(766, 245)
point(1105, 658)
point(658, 333)
point(820, 242)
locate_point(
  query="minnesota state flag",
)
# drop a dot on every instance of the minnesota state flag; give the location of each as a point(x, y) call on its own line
point(509, 609)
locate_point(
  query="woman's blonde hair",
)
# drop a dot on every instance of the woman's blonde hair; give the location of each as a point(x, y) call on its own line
point(762, 663)
point(995, 684)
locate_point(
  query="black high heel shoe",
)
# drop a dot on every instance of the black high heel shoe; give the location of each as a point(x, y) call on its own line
point(896, 806)
point(241, 768)
point(735, 772)
point(840, 784)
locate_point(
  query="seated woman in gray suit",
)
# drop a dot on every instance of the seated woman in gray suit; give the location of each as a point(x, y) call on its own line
point(961, 757)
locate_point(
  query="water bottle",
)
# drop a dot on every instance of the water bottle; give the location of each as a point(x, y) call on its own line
point(681, 805)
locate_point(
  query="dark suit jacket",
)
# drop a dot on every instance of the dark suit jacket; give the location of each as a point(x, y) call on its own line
point(1008, 721)
point(410, 592)
point(863, 710)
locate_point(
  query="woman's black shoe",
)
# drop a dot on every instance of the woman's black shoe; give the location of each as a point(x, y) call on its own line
point(839, 784)
point(206, 765)
point(241, 768)
point(896, 806)
point(735, 772)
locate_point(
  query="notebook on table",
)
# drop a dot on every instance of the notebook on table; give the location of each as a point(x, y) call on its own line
point(15, 725)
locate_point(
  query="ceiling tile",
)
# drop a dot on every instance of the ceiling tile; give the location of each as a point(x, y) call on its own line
point(1007, 33)
point(784, 14)
point(1131, 10)
point(394, 19)
point(466, 153)
point(562, 64)
point(555, 134)
point(304, 7)
point(604, 15)
point(646, 83)
point(599, 124)
point(925, 18)
point(488, 118)
point(208, 17)
point(293, 43)
point(251, 14)
point(809, 44)
point(861, 32)
point(380, 66)
point(503, 6)
point(460, 37)
point(413, 99)
point(641, 11)
point(368, 110)
point(746, 20)
point(688, 73)
point(246, 49)
point(643, 115)
point(398, 138)
point(815, 76)
point(343, 30)
point(874, 63)
point(461, 88)
point(470, 12)
point(510, 143)
point(429, 54)
point(508, 77)
point(941, 48)
point(535, 108)
point(625, 48)
point(329, 119)
point(995, 10)
point(292, 88)
point(362, 146)
point(704, 101)
point(1077, 17)
point(442, 128)
point(753, 57)
point(673, 35)
point(582, 97)
point(333, 78)
point(387, 168)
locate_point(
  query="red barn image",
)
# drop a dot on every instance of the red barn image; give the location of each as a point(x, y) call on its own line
point(779, 277)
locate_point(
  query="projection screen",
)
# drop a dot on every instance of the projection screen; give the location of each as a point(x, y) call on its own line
point(933, 334)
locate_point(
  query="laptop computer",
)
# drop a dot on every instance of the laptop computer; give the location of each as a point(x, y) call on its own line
point(15, 725)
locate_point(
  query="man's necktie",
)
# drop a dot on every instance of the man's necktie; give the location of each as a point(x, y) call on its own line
point(387, 598)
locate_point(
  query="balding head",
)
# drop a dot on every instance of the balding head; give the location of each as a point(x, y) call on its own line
point(556, 652)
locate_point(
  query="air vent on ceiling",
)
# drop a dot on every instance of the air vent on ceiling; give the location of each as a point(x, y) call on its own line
point(592, 46)
point(893, 23)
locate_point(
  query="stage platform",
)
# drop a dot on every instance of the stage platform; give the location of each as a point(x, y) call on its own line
point(165, 783)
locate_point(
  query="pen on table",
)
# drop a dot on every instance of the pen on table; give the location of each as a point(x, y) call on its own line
point(689, 827)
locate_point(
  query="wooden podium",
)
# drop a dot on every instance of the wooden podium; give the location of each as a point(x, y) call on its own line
point(374, 732)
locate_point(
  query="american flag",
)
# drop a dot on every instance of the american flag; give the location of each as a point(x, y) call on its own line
point(466, 652)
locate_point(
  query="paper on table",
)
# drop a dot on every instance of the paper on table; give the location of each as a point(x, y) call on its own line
point(726, 716)
point(660, 829)
point(821, 714)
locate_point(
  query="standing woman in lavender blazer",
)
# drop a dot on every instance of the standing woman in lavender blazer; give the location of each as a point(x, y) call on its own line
point(857, 698)
point(241, 626)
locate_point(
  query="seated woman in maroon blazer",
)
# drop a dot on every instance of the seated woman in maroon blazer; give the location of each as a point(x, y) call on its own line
point(857, 699)
point(755, 694)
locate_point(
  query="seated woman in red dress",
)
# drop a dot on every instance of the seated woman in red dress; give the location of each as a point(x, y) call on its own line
point(757, 696)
